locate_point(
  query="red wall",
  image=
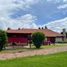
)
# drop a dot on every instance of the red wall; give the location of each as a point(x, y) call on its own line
point(51, 39)
point(17, 39)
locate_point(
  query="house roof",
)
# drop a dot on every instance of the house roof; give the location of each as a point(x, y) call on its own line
point(47, 32)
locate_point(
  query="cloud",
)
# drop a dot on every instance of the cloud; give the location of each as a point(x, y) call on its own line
point(7, 8)
point(28, 18)
point(57, 1)
point(54, 1)
point(57, 25)
point(12, 4)
point(62, 6)
point(26, 21)
point(64, 0)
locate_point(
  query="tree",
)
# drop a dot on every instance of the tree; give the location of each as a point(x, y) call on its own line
point(38, 38)
point(3, 39)
point(30, 40)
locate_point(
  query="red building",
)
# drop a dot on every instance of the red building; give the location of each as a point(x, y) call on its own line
point(22, 35)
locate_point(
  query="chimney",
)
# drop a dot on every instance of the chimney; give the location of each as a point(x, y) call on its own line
point(39, 28)
point(46, 27)
point(42, 28)
point(18, 28)
point(8, 28)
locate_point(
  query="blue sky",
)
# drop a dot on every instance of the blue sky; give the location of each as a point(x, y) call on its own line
point(45, 11)
point(31, 13)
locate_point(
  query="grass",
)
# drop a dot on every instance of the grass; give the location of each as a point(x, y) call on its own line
point(53, 60)
point(33, 48)
point(53, 46)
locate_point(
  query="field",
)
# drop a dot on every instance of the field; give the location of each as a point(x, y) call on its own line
point(53, 60)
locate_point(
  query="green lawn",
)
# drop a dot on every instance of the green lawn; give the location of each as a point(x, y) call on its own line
point(53, 60)
point(54, 45)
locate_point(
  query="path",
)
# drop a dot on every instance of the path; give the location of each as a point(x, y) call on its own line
point(4, 56)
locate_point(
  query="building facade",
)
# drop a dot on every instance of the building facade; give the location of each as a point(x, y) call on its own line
point(22, 36)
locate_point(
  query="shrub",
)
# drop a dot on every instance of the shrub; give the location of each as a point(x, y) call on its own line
point(38, 38)
point(3, 39)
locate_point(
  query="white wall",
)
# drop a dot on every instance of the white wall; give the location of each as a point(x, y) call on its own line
point(58, 39)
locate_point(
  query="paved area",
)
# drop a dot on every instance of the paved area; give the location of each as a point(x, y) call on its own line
point(4, 56)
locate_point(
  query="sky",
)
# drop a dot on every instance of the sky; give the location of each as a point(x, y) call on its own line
point(33, 14)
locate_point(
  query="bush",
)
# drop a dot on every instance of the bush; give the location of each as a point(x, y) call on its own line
point(3, 39)
point(38, 38)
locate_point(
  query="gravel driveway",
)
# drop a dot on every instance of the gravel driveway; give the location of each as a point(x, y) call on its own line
point(4, 56)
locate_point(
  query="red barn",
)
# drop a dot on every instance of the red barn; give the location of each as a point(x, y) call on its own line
point(22, 35)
